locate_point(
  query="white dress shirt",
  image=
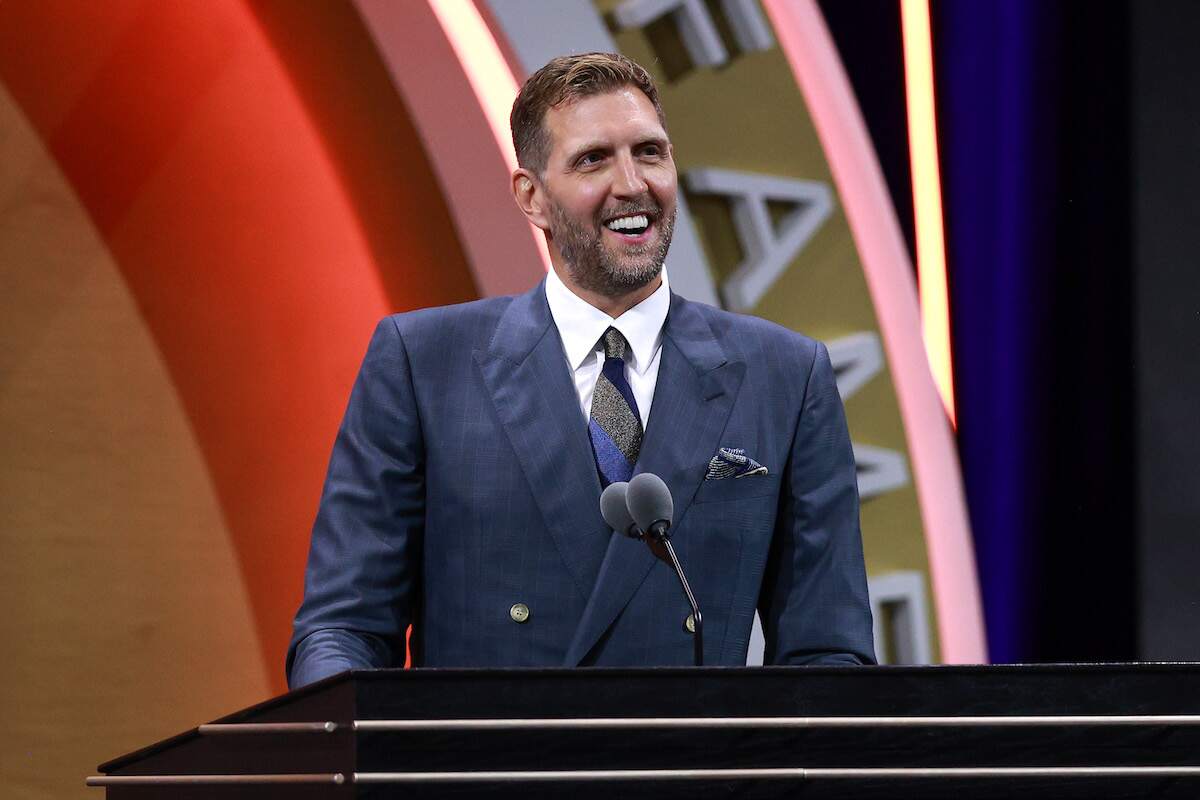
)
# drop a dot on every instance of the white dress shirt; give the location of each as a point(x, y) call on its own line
point(580, 326)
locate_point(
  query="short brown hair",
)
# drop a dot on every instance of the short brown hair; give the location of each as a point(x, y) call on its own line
point(563, 80)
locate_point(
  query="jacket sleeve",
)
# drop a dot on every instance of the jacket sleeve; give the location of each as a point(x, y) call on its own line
point(814, 604)
point(364, 561)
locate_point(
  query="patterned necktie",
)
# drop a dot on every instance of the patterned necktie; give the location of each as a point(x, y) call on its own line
point(615, 426)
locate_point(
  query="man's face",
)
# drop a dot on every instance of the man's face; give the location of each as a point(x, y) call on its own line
point(610, 187)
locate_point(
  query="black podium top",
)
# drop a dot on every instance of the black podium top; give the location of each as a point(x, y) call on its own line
point(1063, 730)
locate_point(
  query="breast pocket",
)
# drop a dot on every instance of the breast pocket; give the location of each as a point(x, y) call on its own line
point(747, 488)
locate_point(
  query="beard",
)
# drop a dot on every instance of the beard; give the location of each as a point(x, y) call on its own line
point(596, 268)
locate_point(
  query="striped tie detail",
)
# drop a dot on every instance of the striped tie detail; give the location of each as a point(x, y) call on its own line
point(615, 426)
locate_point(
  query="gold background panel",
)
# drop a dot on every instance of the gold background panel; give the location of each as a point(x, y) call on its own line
point(749, 115)
point(118, 579)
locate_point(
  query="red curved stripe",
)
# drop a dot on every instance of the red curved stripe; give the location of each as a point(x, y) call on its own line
point(260, 219)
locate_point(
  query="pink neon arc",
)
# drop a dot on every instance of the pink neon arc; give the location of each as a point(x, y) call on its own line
point(809, 48)
point(927, 196)
point(490, 78)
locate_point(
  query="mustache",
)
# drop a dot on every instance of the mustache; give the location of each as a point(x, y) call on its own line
point(646, 206)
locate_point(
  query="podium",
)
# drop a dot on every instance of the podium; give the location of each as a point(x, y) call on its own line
point(1058, 731)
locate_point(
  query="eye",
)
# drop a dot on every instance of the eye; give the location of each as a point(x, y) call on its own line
point(590, 159)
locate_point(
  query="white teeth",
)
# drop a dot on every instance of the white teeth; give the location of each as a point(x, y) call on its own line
point(627, 223)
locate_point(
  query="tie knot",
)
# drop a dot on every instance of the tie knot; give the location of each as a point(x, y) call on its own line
point(614, 344)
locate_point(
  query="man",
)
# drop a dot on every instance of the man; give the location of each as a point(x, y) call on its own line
point(463, 491)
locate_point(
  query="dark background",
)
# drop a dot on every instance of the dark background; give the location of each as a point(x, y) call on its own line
point(1070, 152)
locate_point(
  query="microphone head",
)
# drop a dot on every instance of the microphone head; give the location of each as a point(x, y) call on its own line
point(616, 511)
point(649, 501)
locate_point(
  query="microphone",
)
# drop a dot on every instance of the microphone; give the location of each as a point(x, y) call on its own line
point(649, 503)
point(616, 512)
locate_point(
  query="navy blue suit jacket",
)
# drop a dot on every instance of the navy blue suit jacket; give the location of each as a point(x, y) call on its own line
point(462, 482)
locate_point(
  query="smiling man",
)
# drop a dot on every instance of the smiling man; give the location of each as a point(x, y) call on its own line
point(597, 176)
point(463, 491)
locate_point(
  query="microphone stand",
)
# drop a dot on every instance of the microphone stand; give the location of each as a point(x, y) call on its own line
point(658, 535)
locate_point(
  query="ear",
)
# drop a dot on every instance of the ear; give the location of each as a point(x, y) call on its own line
point(531, 197)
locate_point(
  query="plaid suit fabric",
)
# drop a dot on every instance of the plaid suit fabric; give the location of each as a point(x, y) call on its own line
point(462, 482)
point(615, 427)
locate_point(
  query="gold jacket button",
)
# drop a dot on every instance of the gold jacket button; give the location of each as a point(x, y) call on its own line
point(519, 612)
point(690, 623)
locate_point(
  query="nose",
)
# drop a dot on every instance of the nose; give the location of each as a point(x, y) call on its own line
point(628, 181)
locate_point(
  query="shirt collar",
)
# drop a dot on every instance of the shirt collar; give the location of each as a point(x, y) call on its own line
point(580, 324)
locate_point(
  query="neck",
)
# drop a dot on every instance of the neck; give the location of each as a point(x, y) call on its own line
point(612, 305)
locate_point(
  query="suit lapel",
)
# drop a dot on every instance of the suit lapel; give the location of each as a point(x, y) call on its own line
point(696, 388)
point(526, 373)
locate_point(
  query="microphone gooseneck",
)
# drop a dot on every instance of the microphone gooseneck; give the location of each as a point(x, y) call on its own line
point(698, 637)
point(649, 503)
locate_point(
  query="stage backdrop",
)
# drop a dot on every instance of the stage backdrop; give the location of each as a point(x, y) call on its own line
point(206, 206)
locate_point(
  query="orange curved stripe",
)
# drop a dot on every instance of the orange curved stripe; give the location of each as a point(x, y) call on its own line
point(927, 196)
point(462, 146)
point(491, 79)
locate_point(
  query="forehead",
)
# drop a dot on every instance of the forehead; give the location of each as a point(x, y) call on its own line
point(621, 115)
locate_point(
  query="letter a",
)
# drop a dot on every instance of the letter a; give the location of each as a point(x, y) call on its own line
point(767, 252)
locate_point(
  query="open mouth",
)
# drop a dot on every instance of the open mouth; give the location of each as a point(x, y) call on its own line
point(630, 226)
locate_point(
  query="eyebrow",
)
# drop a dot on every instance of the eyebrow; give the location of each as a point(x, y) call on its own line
point(587, 147)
